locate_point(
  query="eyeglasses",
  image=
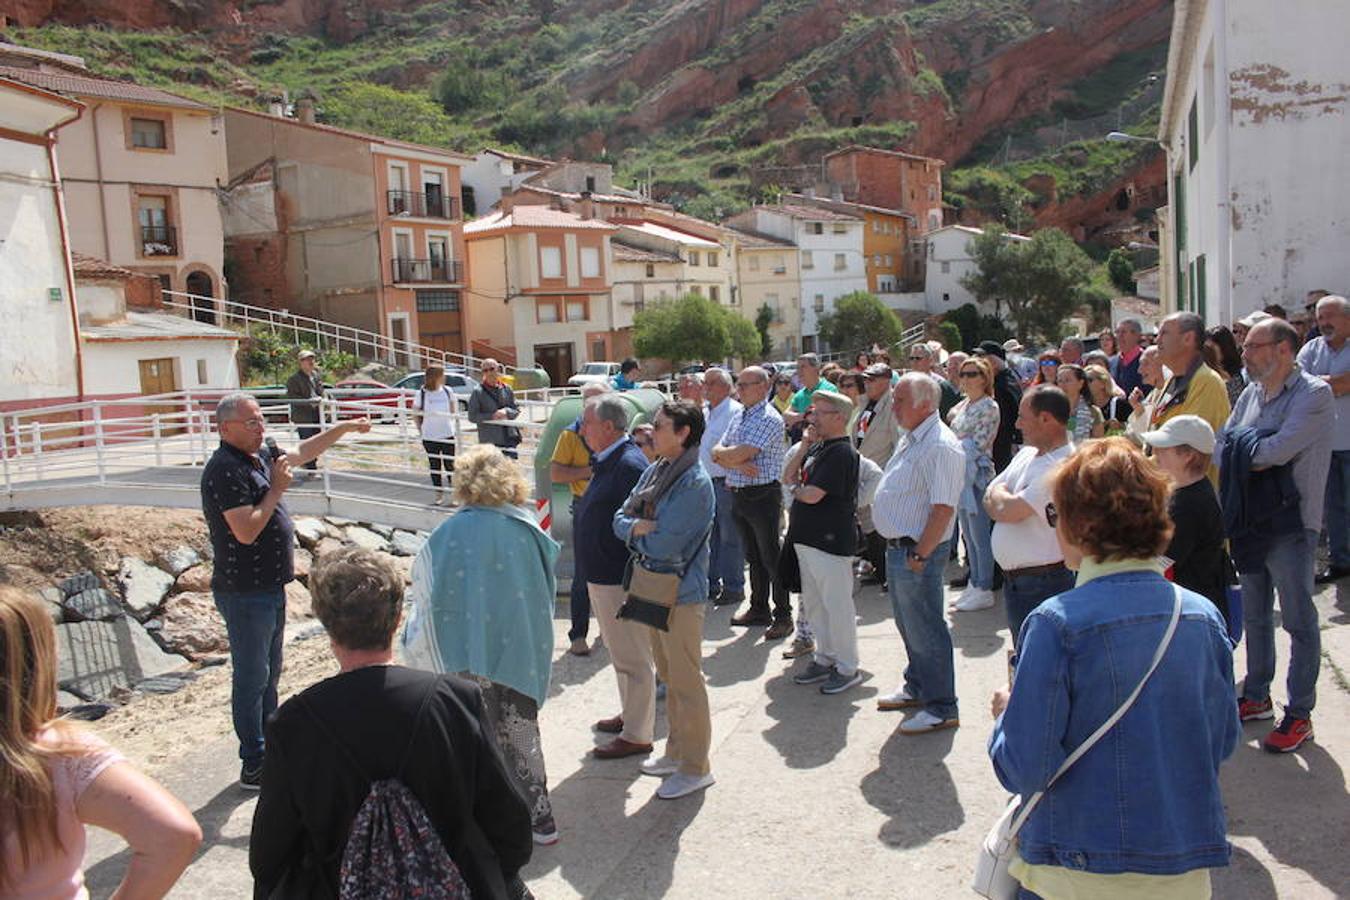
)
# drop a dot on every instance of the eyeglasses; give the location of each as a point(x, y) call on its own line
point(972, 374)
point(744, 384)
point(247, 423)
point(1253, 345)
point(917, 358)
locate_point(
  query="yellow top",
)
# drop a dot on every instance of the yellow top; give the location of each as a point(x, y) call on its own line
point(571, 451)
point(1206, 397)
point(1060, 883)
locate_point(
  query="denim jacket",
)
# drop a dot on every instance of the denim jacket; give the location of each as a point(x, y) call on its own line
point(979, 472)
point(684, 518)
point(1146, 798)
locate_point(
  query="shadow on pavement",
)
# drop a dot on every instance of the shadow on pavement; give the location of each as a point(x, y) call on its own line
point(1341, 616)
point(976, 634)
point(1244, 879)
point(103, 877)
point(810, 728)
point(913, 787)
point(743, 659)
point(1298, 828)
point(571, 670)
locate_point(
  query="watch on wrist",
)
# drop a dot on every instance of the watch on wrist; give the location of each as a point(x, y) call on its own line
point(914, 555)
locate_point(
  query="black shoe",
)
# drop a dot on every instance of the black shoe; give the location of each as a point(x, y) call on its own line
point(778, 630)
point(960, 581)
point(1332, 573)
point(750, 618)
point(729, 598)
point(250, 776)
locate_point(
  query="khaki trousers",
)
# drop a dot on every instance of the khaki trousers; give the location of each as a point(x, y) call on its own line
point(679, 661)
point(630, 650)
point(827, 594)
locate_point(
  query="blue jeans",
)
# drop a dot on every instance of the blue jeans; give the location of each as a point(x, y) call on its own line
point(1338, 508)
point(916, 600)
point(256, 623)
point(1288, 569)
point(726, 568)
point(976, 528)
point(1024, 593)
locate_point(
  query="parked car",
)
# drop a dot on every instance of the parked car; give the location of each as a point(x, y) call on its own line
point(594, 373)
point(455, 379)
point(356, 396)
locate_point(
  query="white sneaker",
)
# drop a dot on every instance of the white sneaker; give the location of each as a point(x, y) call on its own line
point(679, 785)
point(923, 722)
point(898, 699)
point(974, 599)
point(659, 765)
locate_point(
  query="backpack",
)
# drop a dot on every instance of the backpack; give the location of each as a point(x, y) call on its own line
point(393, 850)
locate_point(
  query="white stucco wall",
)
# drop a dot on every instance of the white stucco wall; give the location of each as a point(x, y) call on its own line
point(37, 344)
point(823, 278)
point(116, 363)
point(949, 260)
point(99, 303)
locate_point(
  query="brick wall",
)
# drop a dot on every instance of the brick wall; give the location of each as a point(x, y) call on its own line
point(257, 267)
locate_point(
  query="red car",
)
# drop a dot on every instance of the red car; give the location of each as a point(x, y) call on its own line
point(357, 397)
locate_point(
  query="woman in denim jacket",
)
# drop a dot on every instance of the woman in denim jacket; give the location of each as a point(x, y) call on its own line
point(666, 522)
point(1140, 814)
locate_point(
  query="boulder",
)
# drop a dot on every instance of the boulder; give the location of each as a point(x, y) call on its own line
point(339, 521)
point(65, 700)
point(179, 559)
point(304, 561)
point(96, 659)
point(299, 603)
point(326, 546)
point(310, 531)
point(51, 599)
point(191, 625)
point(383, 531)
point(195, 580)
point(95, 604)
point(171, 683)
point(402, 565)
point(365, 538)
point(407, 543)
point(143, 586)
point(79, 583)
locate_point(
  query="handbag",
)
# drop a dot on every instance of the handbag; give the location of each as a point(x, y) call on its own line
point(992, 878)
point(651, 596)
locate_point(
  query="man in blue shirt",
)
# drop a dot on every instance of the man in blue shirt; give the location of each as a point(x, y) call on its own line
point(1327, 357)
point(626, 379)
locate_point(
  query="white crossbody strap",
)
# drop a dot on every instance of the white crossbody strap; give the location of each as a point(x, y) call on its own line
point(1110, 723)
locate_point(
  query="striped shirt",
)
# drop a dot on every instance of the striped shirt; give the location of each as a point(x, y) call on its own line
point(759, 426)
point(927, 469)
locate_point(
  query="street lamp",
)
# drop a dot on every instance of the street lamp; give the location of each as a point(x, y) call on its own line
point(1120, 137)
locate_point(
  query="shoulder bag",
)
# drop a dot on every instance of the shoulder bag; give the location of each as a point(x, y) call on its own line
point(992, 878)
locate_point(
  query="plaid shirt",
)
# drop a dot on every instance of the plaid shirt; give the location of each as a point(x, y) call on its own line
point(762, 427)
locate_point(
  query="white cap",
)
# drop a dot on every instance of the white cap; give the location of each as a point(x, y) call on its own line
point(1253, 318)
point(1012, 345)
point(1183, 431)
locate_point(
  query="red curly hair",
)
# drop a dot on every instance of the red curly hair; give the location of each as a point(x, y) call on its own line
point(1112, 501)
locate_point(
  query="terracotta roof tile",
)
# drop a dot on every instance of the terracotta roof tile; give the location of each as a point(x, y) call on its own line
point(533, 217)
point(394, 145)
point(93, 267)
point(854, 148)
point(629, 253)
point(104, 88)
point(810, 213)
point(753, 240)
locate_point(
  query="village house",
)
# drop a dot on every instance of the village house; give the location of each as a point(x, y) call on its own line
point(494, 174)
point(346, 227)
point(829, 256)
point(705, 266)
point(888, 179)
point(540, 289)
point(643, 276)
point(1256, 122)
point(892, 252)
point(949, 261)
point(768, 275)
point(141, 170)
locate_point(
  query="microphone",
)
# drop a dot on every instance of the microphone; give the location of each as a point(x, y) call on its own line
point(272, 448)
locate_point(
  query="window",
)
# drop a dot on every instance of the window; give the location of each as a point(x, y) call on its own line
point(201, 372)
point(819, 304)
point(590, 262)
point(771, 301)
point(546, 311)
point(840, 262)
point(946, 298)
point(886, 284)
point(1199, 300)
point(817, 228)
point(437, 301)
point(1193, 134)
point(840, 228)
point(779, 264)
point(876, 260)
point(932, 193)
point(590, 184)
point(714, 293)
point(438, 251)
point(890, 260)
point(946, 268)
point(576, 310)
point(696, 289)
point(876, 226)
point(693, 257)
point(712, 257)
point(807, 262)
point(752, 262)
point(433, 187)
point(651, 270)
point(148, 134)
point(550, 262)
point(620, 212)
point(1208, 95)
point(158, 236)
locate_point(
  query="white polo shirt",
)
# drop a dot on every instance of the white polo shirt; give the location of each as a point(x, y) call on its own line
point(1032, 541)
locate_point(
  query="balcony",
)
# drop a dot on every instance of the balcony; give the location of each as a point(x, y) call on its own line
point(159, 240)
point(425, 271)
point(422, 206)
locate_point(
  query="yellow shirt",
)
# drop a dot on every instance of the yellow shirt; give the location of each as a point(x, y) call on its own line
point(571, 451)
point(1206, 397)
point(1059, 883)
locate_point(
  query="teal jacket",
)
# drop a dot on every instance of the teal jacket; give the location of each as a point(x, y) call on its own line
point(482, 599)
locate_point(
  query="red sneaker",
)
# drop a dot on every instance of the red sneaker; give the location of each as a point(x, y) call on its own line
point(1249, 710)
point(1289, 735)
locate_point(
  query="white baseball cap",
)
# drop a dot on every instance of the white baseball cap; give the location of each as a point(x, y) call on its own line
point(1254, 317)
point(1012, 345)
point(1183, 431)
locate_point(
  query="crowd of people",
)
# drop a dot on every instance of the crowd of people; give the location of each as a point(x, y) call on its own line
point(1136, 514)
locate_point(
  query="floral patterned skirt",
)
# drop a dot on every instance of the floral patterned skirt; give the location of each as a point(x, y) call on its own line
point(514, 718)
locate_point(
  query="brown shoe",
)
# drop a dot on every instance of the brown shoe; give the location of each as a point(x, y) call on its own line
point(580, 648)
point(778, 630)
point(799, 648)
point(619, 748)
point(750, 618)
point(610, 726)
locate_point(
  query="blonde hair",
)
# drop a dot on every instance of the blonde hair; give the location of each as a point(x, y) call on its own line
point(484, 477)
point(986, 373)
point(28, 701)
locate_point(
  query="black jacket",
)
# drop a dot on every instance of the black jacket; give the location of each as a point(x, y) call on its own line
point(603, 556)
point(1008, 396)
point(1257, 506)
point(307, 389)
point(311, 792)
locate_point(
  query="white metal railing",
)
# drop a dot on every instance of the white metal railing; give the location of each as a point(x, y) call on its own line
point(367, 345)
point(910, 336)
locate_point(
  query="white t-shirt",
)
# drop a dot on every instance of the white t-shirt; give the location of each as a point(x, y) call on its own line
point(1032, 541)
point(435, 407)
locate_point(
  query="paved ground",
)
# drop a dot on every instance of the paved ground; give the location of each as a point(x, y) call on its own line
point(818, 796)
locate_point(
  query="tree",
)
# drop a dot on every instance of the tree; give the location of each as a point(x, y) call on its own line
point(950, 335)
point(996, 267)
point(763, 319)
point(859, 320)
point(693, 329)
point(1042, 280)
point(1121, 270)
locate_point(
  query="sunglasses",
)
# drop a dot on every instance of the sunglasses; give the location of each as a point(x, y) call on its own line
point(972, 374)
point(1048, 364)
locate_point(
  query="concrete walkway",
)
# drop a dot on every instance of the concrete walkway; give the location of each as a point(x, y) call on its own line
point(819, 796)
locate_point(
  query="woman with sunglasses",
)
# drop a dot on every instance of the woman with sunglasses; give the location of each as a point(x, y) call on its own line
point(975, 421)
point(1047, 367)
